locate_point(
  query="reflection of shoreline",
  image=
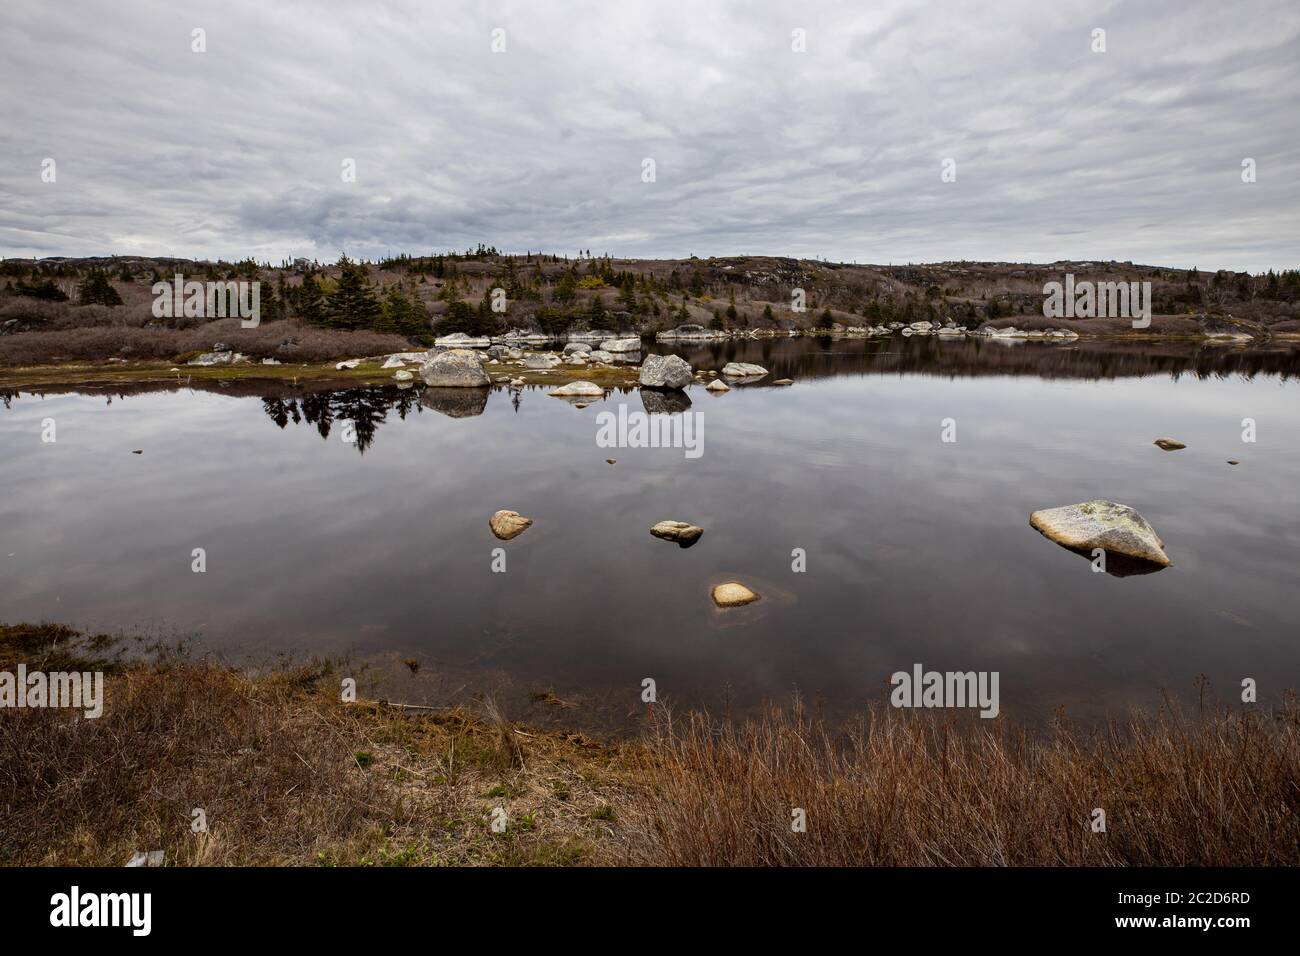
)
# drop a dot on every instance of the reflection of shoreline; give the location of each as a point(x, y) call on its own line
point(973, 357)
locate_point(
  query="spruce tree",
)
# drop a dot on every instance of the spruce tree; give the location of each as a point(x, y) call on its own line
point(97, 290)
point(353, 304)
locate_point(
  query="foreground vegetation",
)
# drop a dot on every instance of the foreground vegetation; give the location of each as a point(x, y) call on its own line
point(286, 773)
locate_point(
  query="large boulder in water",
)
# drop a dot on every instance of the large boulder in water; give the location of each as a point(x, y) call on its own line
point(1115, 528)
point(665, 371)
point(743, 370)
point(455, 368)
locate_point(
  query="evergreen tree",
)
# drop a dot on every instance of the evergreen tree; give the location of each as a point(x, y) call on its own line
point(767, 314)
point(311, 301)
point(353, 304)
point(97, 290)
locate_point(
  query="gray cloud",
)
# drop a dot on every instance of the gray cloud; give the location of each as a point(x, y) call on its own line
point(1061, 152)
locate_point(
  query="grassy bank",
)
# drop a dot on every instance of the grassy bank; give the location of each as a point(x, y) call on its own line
point(285, 772)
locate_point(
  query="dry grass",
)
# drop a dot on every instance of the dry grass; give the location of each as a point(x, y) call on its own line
point(286, 773)
point(915, 789)
point(287, 341)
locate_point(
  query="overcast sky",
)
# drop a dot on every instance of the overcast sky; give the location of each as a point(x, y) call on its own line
point(836, 152)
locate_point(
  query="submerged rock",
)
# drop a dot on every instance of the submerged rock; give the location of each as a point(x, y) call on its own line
point(1115, 528)
point(1168, 444)
point(509, 524)
point(732, 594)
point(402, 375)
point(678, 531)
point(455, 368)
point(665, 371)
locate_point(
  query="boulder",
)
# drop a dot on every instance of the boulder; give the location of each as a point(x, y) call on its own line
point(508, 524)
point(600, 355)
point(1115, 528)
point(1168, 444)
point(665, 371)
point(743, 370)
point(679, 532)
point(455, 368)
point(213, 358)
point(402, 375)
point(392, 362)
point(542, 361)
point(574, 348)
point(589, 389)
point(718, 385)
point(621, 345)
point(732, 594)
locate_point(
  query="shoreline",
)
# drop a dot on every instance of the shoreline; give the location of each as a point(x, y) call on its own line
point(370, 372)
point(287, 773)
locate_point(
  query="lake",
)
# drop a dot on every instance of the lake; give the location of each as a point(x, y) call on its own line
point(915, 549)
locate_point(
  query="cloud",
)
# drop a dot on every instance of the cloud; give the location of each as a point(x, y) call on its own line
point(1061, 152)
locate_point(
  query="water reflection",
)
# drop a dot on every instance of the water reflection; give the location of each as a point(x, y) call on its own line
point(917, 550)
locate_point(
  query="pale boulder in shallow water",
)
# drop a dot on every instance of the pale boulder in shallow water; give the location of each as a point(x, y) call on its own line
point(677, 531)
point(742, 370)
point(1115, 528)
point(732, 594)
point(509, 524)
point(589, 389)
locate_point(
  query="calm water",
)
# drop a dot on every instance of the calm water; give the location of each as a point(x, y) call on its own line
point(917, 550)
